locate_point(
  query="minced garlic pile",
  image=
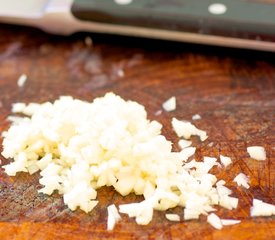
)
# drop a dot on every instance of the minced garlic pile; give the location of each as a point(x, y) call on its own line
point(79, 147)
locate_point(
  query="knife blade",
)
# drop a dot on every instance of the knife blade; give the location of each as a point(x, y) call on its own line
point(233, 23)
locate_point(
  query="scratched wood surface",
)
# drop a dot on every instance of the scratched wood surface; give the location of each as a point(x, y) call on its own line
point(233, 91)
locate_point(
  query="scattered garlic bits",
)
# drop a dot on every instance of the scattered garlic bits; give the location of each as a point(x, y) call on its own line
point(170, 104)
point(218, 223)
point(187, 152)
point(184, 143)
point(80, 146)
point(172, 217)
point(113, 217)
point(227, 222)
point(22, 80)
point(186, 130)
point(196, 117)
point(257, 152)
point(242, 180)
point(88, 41)
point(214, 220)
point(261, 208)
point(226, 161)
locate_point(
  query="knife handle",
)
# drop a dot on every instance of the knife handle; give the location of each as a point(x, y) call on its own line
point(238, 19)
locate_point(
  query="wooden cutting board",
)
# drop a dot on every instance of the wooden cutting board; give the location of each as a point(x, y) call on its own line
point(233, 91)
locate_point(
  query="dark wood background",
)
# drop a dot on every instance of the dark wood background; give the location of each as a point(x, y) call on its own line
point(233, 91)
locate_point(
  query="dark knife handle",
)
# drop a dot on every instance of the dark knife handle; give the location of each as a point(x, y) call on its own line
point(242, 19)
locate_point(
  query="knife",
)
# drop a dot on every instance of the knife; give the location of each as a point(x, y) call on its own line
point(232, 23)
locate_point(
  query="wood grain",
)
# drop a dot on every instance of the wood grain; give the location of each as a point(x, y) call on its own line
point(233, 91)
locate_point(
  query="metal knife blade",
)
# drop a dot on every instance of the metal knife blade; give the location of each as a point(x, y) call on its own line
point(24, 9)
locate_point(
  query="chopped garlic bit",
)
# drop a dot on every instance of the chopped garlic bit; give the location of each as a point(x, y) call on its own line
point(224, 198)
point(19, 165)
point(157, 113)
point(196, 117)
point(187, 129)
point(30, 109)
point(170, 104)
point(257, 152)
point(172, 217)
point(226, 222)
point(187, 152)
point(242, 180)
point(196, 205)
point(226, 161)
point(228, 202)
point(22, 80)
point(15, 119)
point(18, 107)
point(220, 183)
point(81, 194)
point(214, 220)
point(261, 208)
point(88, 41)
point(184, 143)
point(210, 144)
point(113, 217)
point(143, 211)
point(120, 73)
